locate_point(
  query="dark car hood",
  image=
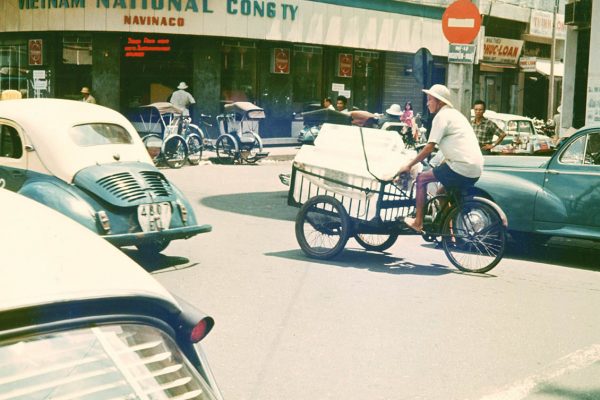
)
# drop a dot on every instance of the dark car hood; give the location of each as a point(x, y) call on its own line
point(125, 184)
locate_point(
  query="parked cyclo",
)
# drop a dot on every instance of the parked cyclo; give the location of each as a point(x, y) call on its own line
point(239, 139)
point(169, 136)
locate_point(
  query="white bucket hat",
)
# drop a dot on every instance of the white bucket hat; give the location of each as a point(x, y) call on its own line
point(440, 92)
point(182, 85)
point(394, 109)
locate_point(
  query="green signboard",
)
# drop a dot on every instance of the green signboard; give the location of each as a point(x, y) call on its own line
point(461, 53)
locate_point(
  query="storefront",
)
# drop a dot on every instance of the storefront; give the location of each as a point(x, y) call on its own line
point(537, 51)
point(283, 56)
point(496, 79)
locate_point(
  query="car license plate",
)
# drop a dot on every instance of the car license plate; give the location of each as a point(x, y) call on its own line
point(154, 217)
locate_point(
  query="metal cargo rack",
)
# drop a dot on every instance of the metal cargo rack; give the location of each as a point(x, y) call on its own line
point(373, 206)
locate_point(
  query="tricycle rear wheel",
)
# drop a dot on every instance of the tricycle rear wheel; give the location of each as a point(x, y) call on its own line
point(375, 242)
point(322, 227)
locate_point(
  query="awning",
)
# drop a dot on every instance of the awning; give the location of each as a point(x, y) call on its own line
point(543, 67)
point(493, 67)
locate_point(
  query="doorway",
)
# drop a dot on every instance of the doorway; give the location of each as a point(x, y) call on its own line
point(491, 91)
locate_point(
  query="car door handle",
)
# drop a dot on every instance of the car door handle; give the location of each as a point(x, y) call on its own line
point(553, 172)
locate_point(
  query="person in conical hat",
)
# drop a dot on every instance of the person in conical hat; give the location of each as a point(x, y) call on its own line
point(182, 99)
point(452, 133)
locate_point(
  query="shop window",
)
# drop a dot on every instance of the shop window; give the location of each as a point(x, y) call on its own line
point(74, 67)
point(77, 50)
point(14, 68)
point(238, 76)
point(307, 72)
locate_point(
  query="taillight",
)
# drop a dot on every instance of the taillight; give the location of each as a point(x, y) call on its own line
point(194, 325)
point(103, 220)
point(183, 211)
point(200, 330)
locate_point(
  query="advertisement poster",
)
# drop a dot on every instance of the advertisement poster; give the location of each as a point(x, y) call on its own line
point(345, 64)
point(280, 63)
point(592, 111)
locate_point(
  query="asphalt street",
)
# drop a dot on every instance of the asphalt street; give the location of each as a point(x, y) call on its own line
point(397, 325)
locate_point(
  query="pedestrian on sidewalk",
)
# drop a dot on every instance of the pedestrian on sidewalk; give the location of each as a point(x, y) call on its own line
point(87, 96)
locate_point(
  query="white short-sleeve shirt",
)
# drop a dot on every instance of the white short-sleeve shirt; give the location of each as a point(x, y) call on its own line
point(182, 99)
point(455, 138)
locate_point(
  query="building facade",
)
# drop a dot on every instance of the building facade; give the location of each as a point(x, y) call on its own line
point(514, 72)
point(581, 96)
point(281, 55)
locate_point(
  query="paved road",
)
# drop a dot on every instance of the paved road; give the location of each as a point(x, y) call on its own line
point(399, 325)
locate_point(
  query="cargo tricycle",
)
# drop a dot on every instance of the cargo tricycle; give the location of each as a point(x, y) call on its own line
point(351, 194)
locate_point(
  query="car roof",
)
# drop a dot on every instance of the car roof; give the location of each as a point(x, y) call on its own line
point(506, 117)
point(47, 122)
point(47, 258)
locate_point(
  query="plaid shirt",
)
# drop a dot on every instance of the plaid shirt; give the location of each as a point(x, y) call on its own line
point(485, 131)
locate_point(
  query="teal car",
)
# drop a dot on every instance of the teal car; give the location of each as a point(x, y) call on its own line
point(89, 163)
point(549, 196)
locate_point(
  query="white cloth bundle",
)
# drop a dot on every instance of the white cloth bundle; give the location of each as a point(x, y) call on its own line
point(338, 152)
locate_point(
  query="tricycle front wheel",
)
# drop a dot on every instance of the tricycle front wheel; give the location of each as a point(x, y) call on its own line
point(374, 242)
point(474, 237)
point(322, 227)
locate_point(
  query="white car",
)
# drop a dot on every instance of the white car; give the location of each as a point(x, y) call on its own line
point(521, 136)
point(80, 320)
point(89, 163)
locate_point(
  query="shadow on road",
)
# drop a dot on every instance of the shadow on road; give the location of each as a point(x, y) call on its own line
point(158, 263)
point(376, 262)
point(580, 255)
point(271, 205)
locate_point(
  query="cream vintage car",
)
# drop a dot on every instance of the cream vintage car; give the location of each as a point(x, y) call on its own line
point(81, 320)
point(521, 136)
point(88, 162)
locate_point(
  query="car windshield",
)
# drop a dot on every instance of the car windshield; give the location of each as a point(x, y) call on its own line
point(513, 127)
point(99, 134)
point(125, 361)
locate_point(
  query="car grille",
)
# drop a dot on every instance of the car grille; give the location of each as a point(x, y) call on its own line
point(157, 183)
point(126, 187)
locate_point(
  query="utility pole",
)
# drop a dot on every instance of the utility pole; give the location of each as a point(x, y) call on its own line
point(552, 58)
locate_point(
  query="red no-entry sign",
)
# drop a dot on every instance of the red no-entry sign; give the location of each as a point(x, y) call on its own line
point(461, 22)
